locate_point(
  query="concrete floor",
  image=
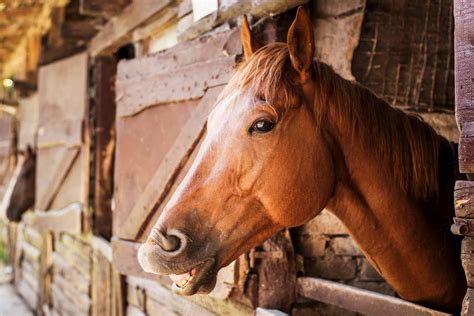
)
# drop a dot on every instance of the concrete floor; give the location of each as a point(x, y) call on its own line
point(10, 303)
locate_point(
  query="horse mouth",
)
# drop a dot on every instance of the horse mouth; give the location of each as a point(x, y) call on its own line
point(201, 278)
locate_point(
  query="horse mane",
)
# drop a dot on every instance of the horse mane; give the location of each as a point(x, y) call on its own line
point(407, 146)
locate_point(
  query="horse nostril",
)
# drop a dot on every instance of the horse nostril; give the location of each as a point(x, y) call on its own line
point(168, 242)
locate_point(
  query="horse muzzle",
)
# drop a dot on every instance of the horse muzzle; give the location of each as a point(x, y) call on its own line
point(170, 254)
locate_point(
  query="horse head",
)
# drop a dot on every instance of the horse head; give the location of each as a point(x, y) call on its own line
point(264, 165)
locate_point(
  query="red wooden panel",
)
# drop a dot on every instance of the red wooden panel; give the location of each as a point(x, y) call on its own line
point(142, 142)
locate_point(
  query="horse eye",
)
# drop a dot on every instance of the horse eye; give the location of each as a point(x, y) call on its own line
point(262, 126)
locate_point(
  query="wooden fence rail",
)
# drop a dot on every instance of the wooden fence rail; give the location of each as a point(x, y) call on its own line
point(358, 300)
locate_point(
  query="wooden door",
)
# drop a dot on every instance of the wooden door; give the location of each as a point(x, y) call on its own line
point(63, 154)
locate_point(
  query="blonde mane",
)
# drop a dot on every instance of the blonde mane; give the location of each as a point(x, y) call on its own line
point(407, 146)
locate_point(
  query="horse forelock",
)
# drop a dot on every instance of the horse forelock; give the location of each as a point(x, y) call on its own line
point(407, 146)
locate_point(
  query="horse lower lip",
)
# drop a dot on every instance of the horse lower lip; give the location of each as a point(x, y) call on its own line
point(190, 283)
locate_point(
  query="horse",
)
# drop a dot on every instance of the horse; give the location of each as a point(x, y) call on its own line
point(288, 137)
point(20, 194)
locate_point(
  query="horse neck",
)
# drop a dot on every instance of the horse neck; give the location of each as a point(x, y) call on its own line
point(401, 239)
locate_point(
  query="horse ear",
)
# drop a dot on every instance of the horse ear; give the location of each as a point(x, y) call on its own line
point(301, 44)
point(249, 43)
point(29, 151)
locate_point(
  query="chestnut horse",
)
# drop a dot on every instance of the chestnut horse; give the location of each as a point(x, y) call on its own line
point(288, 138)
point(20, 194)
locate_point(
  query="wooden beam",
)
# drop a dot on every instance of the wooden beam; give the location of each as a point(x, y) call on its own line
point(466, 148)
point(105, 107)
point(464, 60)
point(175, 159)
point(67, 219)
point(359, 300)
point(189, 82)
point(117, 31)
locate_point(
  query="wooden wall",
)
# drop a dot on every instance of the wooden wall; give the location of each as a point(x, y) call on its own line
point(165, 96)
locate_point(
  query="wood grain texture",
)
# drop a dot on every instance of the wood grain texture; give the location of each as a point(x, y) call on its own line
point(61, 120)
point(117, 31)
point(189, 82)
point(464, 61)
point(28, 121)
point(466, 147)
point(467, 306)
point(405, 53)
point(104, 142)
point(68, 219)
point(358, 300)
point(49, 190)
point(156, 190)
point(276, 270)
point(464, 199)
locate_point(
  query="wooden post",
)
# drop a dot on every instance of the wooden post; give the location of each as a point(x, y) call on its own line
point(464, 190)
point(103, 135)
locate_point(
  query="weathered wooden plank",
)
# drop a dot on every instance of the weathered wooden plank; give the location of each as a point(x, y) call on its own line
point(102, 246)
point(68, 103)
point(101, 285)
point(466, 146)
point(45, 271)
point(51, 188)
point(118, 292)
point(117, 31)
point(189, 82)
point(136, 296)
point(73, 260)
point(61, 118)
point(104, 78)
point(28, 121)
point(464, 199)
point(133, 168)
point(155, 298)
point(79, 299)
point(66, 132)
point(30, 275)
point(231, 9)
point(467, 304)
point(156, 190)
point(32, 253)
point(207, 47)
point(67, 219)
point(277, 271)
point(62, 303)
point(70, 273)
point(358, 300)
point(464, 61)
point(82, 249)
point(467, 258)
point(32, 237)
